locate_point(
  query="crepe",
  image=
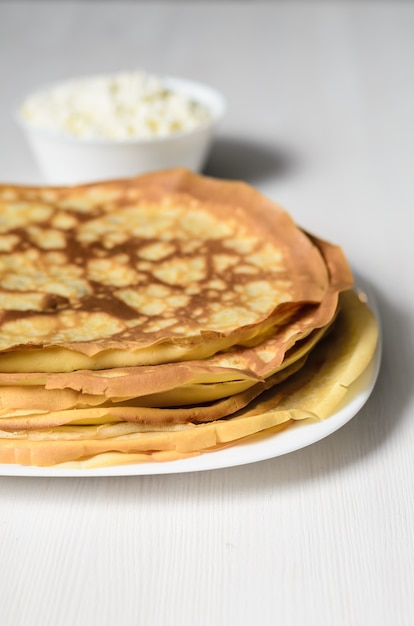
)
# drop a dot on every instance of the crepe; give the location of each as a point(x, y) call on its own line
point(164, 267)
point(165, 315)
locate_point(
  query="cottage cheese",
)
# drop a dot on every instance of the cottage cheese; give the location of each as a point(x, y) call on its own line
point(123, 106)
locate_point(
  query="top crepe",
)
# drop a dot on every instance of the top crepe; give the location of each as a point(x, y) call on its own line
point(164, 267)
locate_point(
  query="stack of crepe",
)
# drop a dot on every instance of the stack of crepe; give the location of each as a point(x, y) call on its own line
point(162, 316)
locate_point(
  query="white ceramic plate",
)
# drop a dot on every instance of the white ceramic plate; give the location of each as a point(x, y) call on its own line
point(299, 435)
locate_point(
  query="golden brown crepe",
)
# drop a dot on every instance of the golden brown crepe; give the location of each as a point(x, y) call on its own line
point(160, 268)
point(161, 316)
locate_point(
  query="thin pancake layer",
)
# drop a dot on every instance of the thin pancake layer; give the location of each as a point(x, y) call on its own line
point(150, 417)
point(162, 386)
point(160, 268)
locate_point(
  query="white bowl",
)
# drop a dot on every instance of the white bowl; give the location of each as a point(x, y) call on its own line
point(69, 160)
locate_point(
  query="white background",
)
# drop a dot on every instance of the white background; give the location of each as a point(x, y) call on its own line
point(320, 118)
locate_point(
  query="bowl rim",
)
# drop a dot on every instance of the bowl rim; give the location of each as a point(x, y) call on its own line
point(214, 100)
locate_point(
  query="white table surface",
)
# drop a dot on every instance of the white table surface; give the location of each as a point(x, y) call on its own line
point(321, 110)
